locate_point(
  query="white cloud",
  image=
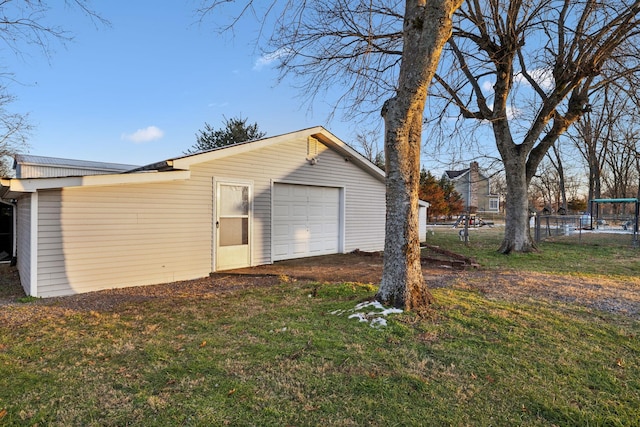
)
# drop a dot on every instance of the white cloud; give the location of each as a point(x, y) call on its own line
point(150, 133)
point(487, 86)
point(218, 104)
point(544, 78)
point(269, 58)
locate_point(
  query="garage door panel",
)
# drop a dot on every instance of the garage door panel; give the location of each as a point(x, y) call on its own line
point(299, 191)
point(330, 210)
point(317, 193)
point(316, 214)
point(306, 221)
point(316, 229)
point(330, 247)
point(300, 231)
point(330, 229)
point(281, 190)
point(300, 211)
point(280, 211)
point(281, 231)
point(316, 248)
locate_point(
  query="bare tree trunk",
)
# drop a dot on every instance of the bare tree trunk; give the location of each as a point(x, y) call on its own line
point(582, 43)
point(427, 27)
point(594, 180)
point(402, 282)
point(561, 182)
point(517, 236)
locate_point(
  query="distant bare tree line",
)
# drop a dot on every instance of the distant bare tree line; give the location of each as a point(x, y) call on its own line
point(602, 153)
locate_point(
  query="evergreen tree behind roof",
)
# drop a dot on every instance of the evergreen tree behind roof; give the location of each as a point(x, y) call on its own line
point(235, 130)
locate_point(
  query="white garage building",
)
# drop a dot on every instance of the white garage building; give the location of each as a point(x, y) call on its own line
point(300, 194)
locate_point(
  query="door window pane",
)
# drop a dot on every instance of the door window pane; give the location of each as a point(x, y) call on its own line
point(234, 231)
point(234, 200)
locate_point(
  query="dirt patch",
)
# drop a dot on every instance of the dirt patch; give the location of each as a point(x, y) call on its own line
point(10, 288)
point(329, 268)
point(614, 295)
point(361, 267)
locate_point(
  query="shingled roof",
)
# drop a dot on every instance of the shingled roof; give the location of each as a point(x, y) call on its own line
point(455, 174)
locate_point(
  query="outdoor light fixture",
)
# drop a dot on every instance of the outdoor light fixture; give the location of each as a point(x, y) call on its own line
point(312, 150)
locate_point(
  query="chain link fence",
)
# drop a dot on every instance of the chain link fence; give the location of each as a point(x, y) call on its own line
point(614, 231)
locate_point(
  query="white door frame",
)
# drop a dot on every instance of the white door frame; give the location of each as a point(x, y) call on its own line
point(217, 182)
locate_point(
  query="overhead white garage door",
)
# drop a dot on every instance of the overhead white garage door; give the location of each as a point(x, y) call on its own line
point(306, 221)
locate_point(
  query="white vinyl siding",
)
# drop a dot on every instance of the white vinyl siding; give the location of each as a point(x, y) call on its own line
point(286, 163)
point(108, 237)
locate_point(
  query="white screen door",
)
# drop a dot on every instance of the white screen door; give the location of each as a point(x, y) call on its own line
point(233, 225)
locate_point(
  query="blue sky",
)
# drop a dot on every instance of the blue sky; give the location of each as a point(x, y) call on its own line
point(138, 91)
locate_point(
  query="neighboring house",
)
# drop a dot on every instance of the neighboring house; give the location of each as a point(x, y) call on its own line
point(475, 189)
point(300, 194)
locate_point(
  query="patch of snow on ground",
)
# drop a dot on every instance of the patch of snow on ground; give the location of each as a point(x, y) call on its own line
point(360, 316)
point(363, 312)
point(378, 322)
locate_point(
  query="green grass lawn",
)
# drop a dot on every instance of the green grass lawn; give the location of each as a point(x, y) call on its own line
point(276, 356)
point(289, 355)
point(582, 254)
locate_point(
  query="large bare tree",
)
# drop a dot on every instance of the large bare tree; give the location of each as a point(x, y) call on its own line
point(23, 24)
point(607, 139)
point(427, 27)
point(591, 138)
point(527, 70)
point(374, 51)
point(620, 179)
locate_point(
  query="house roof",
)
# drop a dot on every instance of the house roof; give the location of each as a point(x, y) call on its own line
point(178, 168)
point(318, 132)
point(28, 159)
point(456, 174)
